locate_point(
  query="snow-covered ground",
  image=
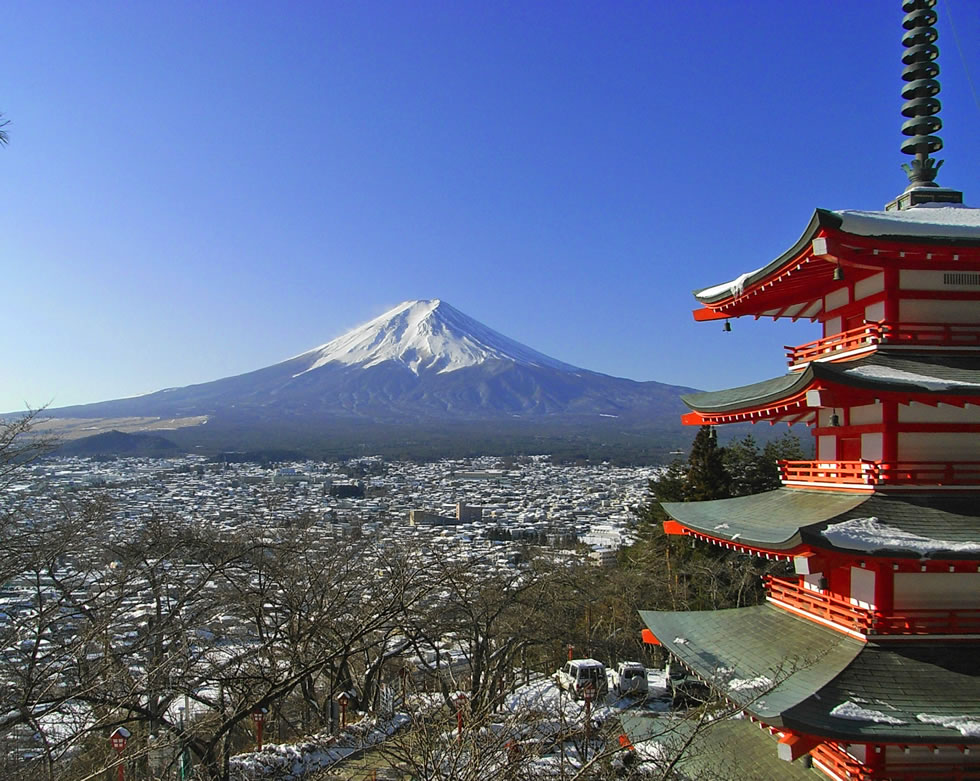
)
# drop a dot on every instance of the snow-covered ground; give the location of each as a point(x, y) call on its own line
point(533, 714)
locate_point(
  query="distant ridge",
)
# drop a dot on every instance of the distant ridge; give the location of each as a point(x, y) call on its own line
point(122, 444)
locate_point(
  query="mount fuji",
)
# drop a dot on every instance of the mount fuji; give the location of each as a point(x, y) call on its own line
point(421, 363)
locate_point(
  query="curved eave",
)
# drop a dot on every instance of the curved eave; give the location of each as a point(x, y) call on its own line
point(778, 396)
point(769, 522)
point(790, 672)
point(930, 380)
point(789, 521)
point(793, 284)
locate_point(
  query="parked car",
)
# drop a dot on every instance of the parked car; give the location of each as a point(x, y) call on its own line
point(685, 688)
point(630, 678)
point(576, 674)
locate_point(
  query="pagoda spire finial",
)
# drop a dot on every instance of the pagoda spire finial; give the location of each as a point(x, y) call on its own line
point(921, 107)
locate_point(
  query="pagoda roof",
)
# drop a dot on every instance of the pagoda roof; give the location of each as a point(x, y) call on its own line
point(880, 372)
point(793, 673)
point(875, 238)
point(924, 525)
point(727, 748)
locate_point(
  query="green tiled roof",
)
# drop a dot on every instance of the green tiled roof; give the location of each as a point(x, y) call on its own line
point(772, 519)
point(784, 518)
point(888, 225)
point(733, 749)
point(881, 370)
point(763, 658)
point(908, 691)
point(747, 395)
point(791, 672)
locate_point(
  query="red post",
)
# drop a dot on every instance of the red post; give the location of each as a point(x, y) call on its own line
point(258, 717)
point(571, 649)
point(118, 741)
point(460, 704)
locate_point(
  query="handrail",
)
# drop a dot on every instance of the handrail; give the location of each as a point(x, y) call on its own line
point(944, 771)
point(867, 621)
point(882, 332)
point(827, 606)
point(840, 763)
point(870, 473)
point(862, 336)
point(923, 621)
point(842, 472)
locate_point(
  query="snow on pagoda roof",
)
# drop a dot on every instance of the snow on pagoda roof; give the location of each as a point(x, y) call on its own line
point(931, 222)
point(921, 525)
point(871, 533)
point(825, 683)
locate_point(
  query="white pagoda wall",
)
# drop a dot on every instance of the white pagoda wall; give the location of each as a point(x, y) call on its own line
point(938, 311)
point(937, 590)
point(930, 446)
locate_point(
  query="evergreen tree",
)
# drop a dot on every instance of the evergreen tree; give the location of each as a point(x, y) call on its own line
point(707, 477)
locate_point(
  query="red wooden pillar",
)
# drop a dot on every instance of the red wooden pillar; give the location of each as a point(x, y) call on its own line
point(891, 296)
point(885, 588)
point(889, 433)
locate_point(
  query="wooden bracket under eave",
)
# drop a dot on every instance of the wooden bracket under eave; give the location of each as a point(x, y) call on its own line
point(792, 747)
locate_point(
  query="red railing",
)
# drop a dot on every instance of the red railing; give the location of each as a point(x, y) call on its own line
point(918, 334)
point(942, 771)
point(836, 472)
point(817, 603)
point(871, 473)
point(929, 473)
point(931, 334)
point(840, 763)
point(842, 612)
point(928, 622)
point(845, 341)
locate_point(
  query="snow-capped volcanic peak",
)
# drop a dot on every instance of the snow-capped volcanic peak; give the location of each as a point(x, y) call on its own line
point(426, 336)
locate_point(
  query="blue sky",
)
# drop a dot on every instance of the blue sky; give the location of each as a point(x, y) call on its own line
point(194, 190)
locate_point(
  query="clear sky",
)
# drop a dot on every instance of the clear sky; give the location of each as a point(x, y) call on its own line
point(199, 189)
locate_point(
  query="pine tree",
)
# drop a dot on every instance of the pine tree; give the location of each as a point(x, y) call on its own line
point(707, 477)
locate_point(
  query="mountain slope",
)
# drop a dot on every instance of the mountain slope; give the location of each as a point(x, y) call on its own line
point(422, 361)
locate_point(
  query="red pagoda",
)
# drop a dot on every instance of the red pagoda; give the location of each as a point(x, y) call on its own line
point(864, 663)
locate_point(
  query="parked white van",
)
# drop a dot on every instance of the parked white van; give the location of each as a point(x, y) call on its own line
point(576, 673)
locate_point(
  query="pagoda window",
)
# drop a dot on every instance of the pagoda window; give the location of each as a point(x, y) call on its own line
point(897, 756)
point(942, 413)
point(868, 286)
point(815, 581)
point(871, 447)
point(826, 448)
point(862, 591)
point(930, 310)
point(916, 279)
point(865, 414)
point(874, 312)
point(832, 326)
point(938, 446)
point(938, 590)
point(836, 299)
